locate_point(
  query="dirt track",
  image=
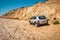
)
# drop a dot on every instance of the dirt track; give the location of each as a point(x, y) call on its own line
point(11, 29)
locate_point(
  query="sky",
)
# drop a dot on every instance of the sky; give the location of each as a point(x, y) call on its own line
point(7, 5)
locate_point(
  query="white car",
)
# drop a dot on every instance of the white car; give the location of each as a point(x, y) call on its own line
point(38, 20)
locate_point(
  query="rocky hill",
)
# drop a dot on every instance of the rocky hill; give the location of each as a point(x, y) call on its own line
point(50, 8)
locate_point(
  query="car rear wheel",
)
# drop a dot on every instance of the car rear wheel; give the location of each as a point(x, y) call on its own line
point(36, 24)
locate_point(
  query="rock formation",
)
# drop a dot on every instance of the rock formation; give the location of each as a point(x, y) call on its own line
point(50, 8)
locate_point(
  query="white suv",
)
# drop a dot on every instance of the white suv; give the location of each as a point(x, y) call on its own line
point(38, 20)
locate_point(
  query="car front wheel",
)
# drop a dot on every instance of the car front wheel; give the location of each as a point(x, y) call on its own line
point(30, 22)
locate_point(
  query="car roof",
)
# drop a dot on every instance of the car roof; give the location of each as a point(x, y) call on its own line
point(39, 16)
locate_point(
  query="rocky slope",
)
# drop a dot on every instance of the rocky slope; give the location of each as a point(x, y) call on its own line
point(11, 29)
point(50, 8)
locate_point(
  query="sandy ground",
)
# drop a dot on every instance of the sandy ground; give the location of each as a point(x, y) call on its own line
point(11, 29)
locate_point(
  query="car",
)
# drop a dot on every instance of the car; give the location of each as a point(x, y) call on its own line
point(38, 20)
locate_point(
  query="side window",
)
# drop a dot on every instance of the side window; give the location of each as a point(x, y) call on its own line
point(33, 17)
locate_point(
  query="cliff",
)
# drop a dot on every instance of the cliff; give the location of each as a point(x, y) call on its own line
point(50, 9)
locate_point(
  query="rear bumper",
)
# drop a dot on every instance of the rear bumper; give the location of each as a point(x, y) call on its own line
point(42, 23)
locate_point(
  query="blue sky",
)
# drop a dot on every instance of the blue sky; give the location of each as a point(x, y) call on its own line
point(7, 5)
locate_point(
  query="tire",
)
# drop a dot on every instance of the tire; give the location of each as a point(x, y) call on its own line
point(30, 23)
point(36, 24)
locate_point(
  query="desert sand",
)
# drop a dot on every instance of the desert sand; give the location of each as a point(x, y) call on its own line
point(11, 29)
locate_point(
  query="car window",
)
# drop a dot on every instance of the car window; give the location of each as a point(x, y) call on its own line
point(33, 17)
point(42, 17)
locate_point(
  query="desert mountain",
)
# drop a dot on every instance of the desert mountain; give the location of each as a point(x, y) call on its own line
point(50, 8)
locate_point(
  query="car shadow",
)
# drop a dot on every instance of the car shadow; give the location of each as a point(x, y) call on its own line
point(43, 25)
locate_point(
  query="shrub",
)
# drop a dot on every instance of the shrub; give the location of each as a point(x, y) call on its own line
point(56, 22)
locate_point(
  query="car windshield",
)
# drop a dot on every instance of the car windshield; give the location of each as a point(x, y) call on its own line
point(42, 17)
